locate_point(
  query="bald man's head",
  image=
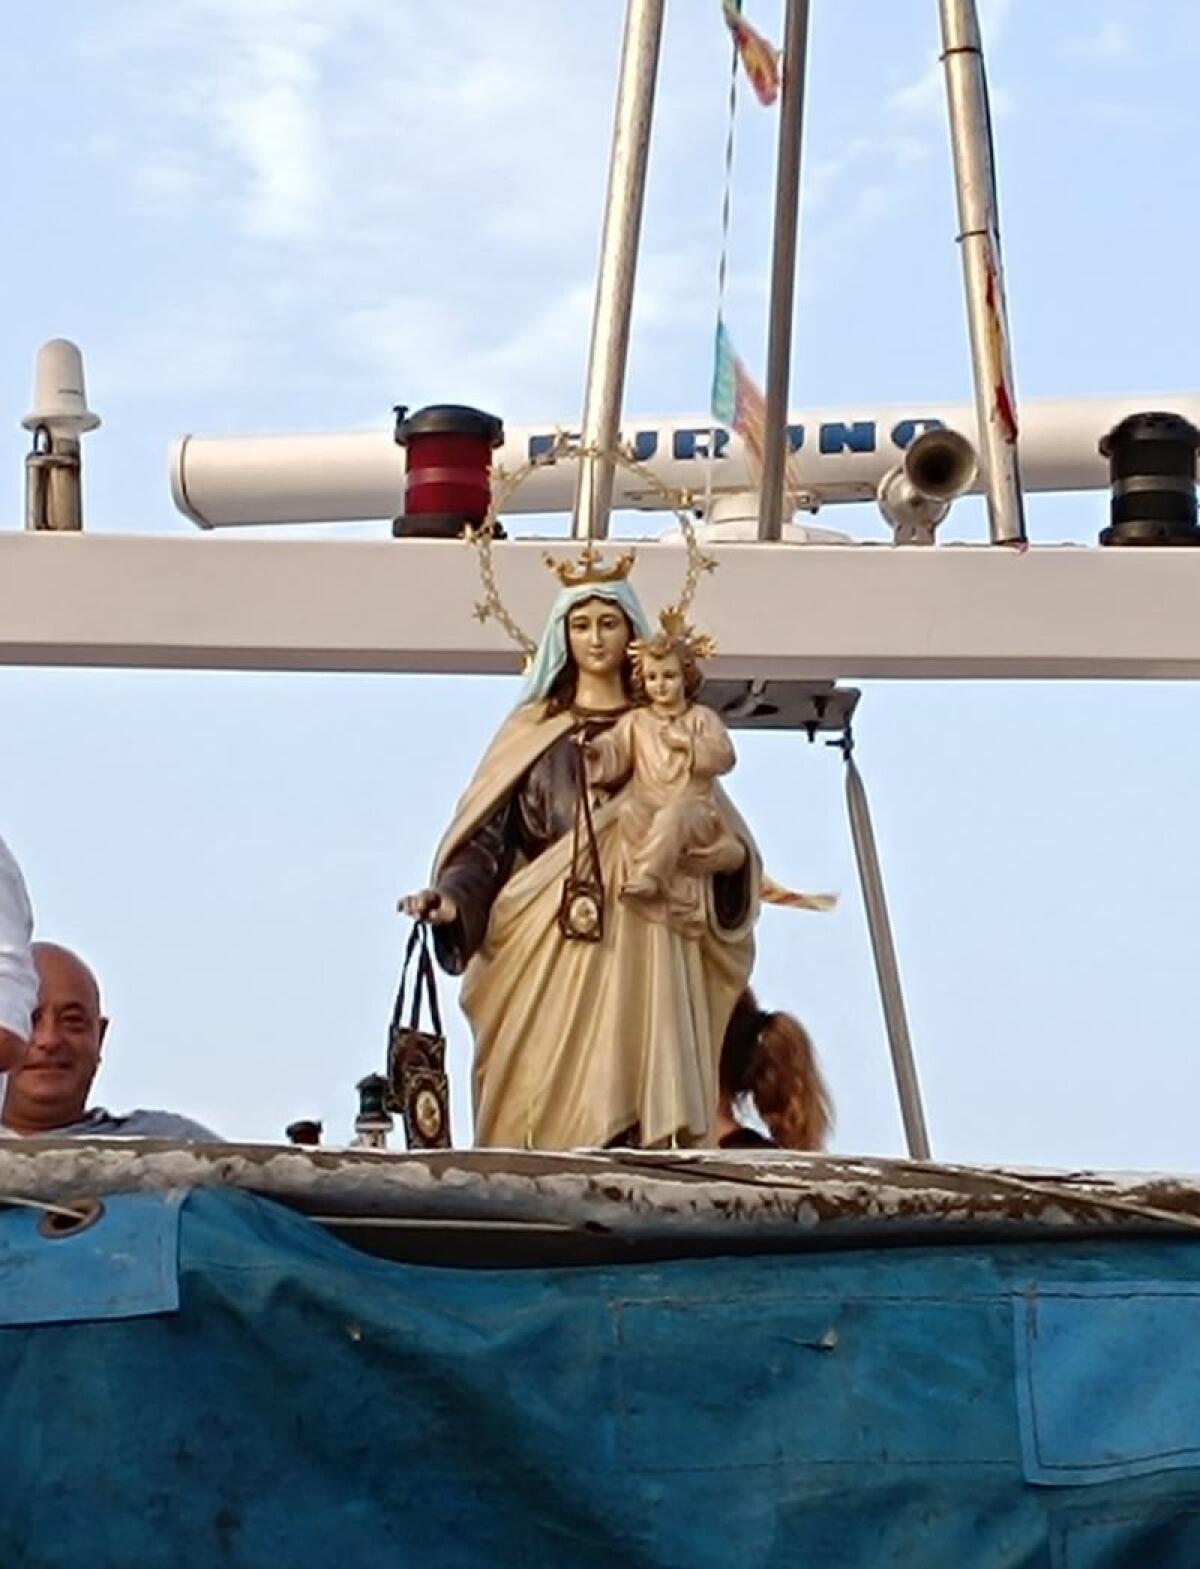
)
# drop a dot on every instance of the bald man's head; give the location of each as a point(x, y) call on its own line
point(64, 966)
point(50, 1089)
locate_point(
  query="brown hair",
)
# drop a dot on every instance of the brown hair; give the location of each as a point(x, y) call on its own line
point(769, 1058)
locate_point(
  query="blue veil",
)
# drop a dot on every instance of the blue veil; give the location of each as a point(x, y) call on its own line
point(551, 654)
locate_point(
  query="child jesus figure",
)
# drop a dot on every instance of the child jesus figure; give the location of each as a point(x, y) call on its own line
point(673, 831)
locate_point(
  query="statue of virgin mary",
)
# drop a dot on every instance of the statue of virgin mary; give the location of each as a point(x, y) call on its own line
point(605, 1031)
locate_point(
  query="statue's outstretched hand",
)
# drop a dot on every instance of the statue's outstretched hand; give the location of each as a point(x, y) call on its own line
point(439, 909)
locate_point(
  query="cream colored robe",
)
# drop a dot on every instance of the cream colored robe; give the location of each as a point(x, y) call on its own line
point(669, 820)
point(576, 1041)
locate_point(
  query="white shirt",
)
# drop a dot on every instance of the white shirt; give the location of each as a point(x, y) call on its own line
point(18, 978)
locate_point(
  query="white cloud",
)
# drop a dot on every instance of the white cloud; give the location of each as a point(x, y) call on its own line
point(268, 114)
point(1110, 42)
point(403, 188)
point(166, 347)
point(881, 175)
point(531, 360)
point(1124, 115)
point(993, 19)
point(871, 177)
point(228, 93)
point(426, 347)
point(426, 201)
point(922, 96)
point(167, 182)
point(827, 181)
point(335, 122)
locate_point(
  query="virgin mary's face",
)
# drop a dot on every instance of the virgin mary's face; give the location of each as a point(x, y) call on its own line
point(598, 636)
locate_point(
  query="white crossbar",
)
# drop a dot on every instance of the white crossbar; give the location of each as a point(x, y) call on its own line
point(804, 612)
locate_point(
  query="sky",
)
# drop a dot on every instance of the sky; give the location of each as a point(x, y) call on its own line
point(262, 215)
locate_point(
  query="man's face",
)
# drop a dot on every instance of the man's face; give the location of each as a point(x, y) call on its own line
point(53, 1082)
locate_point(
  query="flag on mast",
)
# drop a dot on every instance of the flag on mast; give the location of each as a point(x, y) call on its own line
point(760, 60)
point(737, 400)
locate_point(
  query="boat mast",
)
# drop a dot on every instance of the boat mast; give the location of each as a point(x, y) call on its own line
point(783, 271)
point(979, 236)
point(618, 265)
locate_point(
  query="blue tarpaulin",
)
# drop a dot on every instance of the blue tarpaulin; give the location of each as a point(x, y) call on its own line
point(287, 1400)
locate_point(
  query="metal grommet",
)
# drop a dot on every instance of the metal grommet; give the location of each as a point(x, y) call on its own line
point(82, 1213)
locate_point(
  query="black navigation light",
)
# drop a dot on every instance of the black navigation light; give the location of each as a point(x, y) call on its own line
point(1152, 469)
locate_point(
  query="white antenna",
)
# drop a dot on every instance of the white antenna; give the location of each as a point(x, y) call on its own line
point(60, 415)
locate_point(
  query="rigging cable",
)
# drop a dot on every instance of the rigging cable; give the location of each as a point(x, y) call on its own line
point(723, 257)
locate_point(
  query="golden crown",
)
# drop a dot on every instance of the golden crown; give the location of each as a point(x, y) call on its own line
point(677, 631)
point(590, 568)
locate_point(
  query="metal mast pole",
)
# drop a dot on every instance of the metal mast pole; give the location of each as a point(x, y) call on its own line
point(618, 263)
point(886, 967)
point(783, 269)
point(987, 316)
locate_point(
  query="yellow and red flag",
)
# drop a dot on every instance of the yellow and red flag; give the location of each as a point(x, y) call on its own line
point(760, 60)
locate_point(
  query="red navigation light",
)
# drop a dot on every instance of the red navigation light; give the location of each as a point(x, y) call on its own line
point(447, 481)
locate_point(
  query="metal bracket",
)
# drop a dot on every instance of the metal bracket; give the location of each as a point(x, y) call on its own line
point(813, 707)
point(822, 708)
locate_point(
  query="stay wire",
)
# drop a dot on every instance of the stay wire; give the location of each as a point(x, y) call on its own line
point(723, 257)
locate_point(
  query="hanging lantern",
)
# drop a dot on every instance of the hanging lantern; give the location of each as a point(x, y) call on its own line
point(374, 1121)
point(448, 461)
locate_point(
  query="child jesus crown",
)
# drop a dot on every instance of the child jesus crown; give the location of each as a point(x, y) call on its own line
point(677, 635)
